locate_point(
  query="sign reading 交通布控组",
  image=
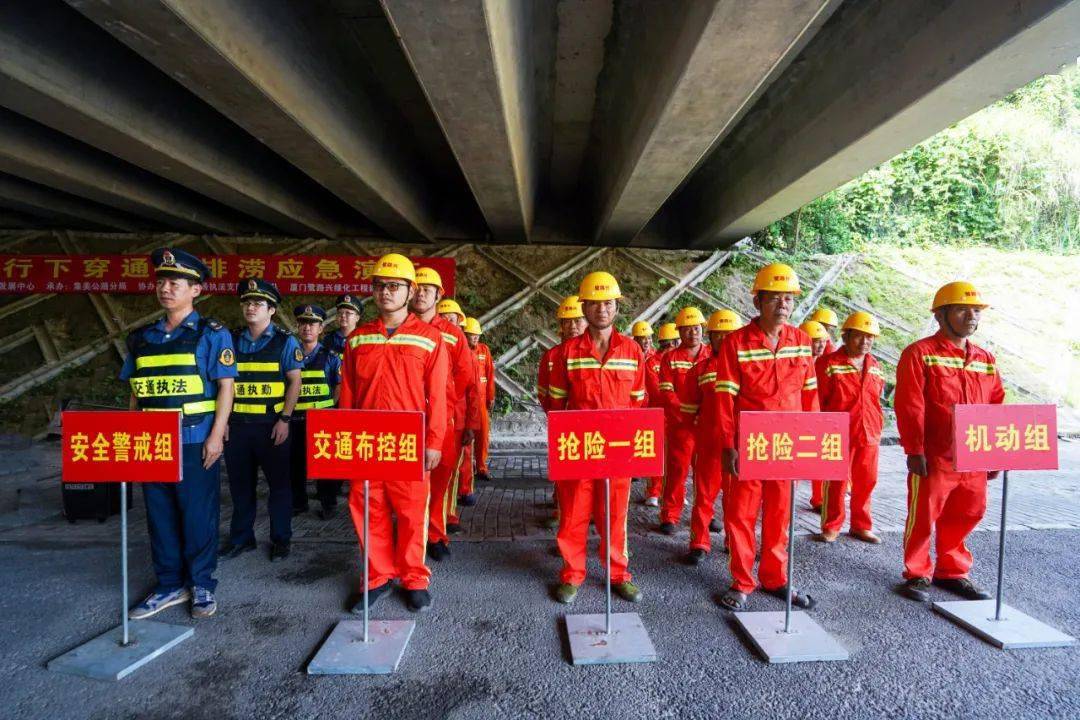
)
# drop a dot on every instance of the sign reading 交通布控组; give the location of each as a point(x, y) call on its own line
point(371, 445)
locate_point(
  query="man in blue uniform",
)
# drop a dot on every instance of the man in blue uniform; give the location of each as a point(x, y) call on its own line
point(348, 316)
point(267, 389)
point(186, 363)
point(319, 380)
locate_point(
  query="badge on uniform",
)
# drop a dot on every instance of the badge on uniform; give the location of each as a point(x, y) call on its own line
point(226, 357)
point(298, 354)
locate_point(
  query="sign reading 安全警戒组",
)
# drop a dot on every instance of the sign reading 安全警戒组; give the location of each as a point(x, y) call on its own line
point(121, 446)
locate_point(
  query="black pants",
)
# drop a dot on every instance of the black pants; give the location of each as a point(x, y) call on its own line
point(326, 490)
point(250, 448)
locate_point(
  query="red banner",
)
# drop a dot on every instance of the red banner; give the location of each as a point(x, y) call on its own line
point(605, 443)
point(1005, 437)
point(365, 445)
point(793, 445)
point(121, 446)
point(133, 274)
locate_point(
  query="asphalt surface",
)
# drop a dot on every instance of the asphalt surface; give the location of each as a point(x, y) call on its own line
point(495, 646)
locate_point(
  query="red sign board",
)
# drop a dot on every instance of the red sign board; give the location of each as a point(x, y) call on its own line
point(793, 445)
point(365, 445)
point(293, 274)
point(121, 446)
point(586, 444)
point(1005, 437)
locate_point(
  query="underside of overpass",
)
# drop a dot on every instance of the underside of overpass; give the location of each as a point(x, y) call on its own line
point(682, 124)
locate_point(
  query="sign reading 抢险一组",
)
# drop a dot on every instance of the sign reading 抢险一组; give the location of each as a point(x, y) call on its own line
point(793, 445)
point(134, 274)
point(371, 445)
point(121, 446)
point(1005, 437)
point(586, 444)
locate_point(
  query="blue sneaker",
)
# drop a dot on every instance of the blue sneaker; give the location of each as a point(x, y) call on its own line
point(204, 605)
point(156, 602)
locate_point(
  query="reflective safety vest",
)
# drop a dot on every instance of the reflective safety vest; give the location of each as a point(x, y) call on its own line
point(260, 384)
point(315, 391)
point(167, 375)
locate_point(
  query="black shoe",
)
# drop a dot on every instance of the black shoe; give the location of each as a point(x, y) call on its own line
point(373, 595)
point(694, 557)
point(279, 551)
point(229, 551)
point(418, 600)
point(467, 500)
point(327, 512)
point(715, 527)
point(454, 529)
point(483, 477)
point(435, 551)
point(963, 587)
point(667, 528)
point(915, 589)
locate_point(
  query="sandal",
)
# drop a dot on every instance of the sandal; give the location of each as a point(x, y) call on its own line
point(732, 600)
point(798, 599)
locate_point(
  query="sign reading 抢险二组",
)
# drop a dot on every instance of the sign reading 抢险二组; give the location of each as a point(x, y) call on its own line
point(371, 445)
point(121, 446)
point(1005, 437)
point(586, 444)
point(134, 274)
point(793, 445)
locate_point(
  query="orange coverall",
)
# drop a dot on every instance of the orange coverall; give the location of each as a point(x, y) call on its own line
point(678, 387)
point(844, 388)
point(582, 380)
point(405, 371)
point(654, 398)
point(932, 376)
point(752, 376)
point(709, 477)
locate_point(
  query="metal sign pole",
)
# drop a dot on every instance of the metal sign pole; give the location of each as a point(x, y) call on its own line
point(607, 551)
point(1001, 543)
point(367, 500)
point(124, 564)
point(790, 560)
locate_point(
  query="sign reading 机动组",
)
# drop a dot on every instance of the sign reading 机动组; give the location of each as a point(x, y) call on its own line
point(793, 445)
point(121, 446)
point(371, 445)
point(1005, 437)
point(605, 443)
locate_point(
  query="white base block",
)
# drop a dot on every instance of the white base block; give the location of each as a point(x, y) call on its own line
point(104, 658)
point(1015, 630)
point(346, 653)
point(806, 642)
point(628, 641)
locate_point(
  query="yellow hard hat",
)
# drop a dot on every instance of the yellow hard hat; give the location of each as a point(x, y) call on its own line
point(395, 267)
point(815, 330)
point(449, 306)
point(668, 332)
point(958, 293)
point(599, 285)
point(429, 276)
point(724, 320)
point(863, 322)
point(776, 277)
point(472, 326)
point(641, 329)
point(689, 316)
point(825, 316)
point(570, 308)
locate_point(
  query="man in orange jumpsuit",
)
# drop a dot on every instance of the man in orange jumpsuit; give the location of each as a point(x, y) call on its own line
point(829, 321)
point(396, 362)
point(933, 375)
point(850, 380)
point(462, 478)
point(709, 478)
point(571, 324)
point(678, 387)
point(819, 347)
point(668, 337)
point(463, 418)
point(643, 332)
point(600, 369)
point(485, 368)
point(764, 365)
